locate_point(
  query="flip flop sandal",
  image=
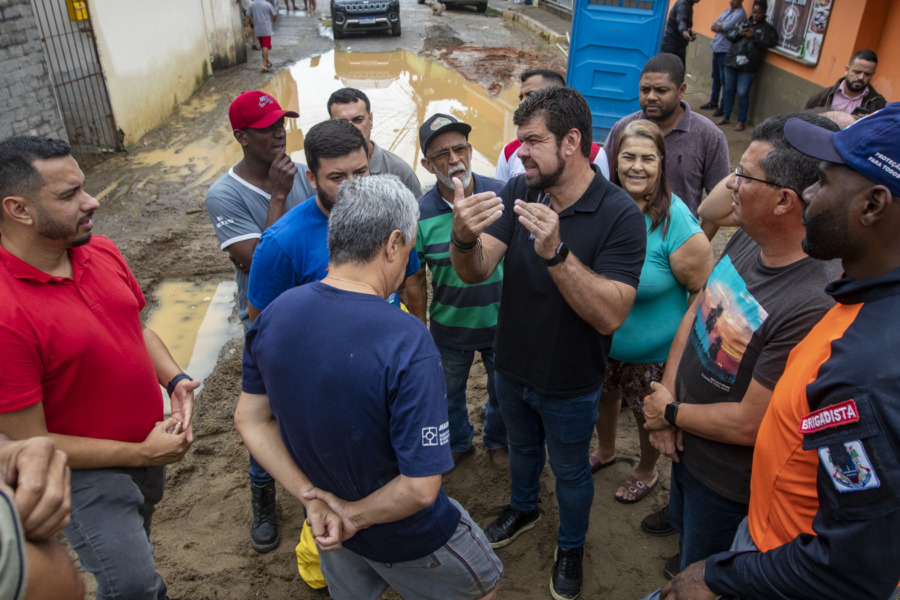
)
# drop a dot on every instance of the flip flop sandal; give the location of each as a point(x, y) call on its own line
point(596, 465)
point(638, 489)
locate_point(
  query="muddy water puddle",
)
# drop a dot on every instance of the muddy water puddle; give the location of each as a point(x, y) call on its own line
point(193, 321)
point(404, 89)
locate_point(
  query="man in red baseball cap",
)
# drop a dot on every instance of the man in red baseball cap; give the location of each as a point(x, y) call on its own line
point(250, 197)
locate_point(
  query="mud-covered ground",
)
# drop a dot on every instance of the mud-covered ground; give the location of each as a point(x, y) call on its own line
point(155, 212)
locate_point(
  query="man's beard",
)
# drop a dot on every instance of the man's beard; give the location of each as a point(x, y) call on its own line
point(542, 181)
point(826, 235)
point(463, 174)
point(855, 86)
point(52, 229)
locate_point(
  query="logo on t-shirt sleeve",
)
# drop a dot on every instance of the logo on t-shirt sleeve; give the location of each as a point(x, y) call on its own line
point(849, 467)
point(830, 416)
point(436, 436)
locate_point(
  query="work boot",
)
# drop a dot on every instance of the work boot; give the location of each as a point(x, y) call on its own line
point(658, 523)
point(264, 526)
point(672, 567)
point(565, 582)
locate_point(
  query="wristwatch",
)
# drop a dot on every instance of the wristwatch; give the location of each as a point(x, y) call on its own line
point(562, 251)
point(672, 412)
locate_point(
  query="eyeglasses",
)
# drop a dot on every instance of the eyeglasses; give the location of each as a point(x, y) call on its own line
point(461, 151)
point(739, 173)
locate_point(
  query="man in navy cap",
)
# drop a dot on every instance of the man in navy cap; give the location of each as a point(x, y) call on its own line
point(463, 317)
point(826, 473)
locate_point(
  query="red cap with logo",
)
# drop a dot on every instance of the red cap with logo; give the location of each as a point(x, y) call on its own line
point(256, 110)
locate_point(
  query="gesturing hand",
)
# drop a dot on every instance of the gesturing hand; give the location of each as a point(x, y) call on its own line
point(543, 223)
point(473, 214)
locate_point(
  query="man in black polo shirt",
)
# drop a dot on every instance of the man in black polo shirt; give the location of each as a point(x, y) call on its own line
point(573, 246)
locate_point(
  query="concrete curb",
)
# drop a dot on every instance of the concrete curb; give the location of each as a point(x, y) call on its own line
point(526, 22)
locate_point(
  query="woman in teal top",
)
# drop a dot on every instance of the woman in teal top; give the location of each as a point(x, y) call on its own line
point(678, 261)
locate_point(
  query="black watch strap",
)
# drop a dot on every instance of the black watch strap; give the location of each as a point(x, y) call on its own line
point(562, 251)
point(170, 389)
point(672, 412)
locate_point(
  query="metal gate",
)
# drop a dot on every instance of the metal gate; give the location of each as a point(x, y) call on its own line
point(78, 81)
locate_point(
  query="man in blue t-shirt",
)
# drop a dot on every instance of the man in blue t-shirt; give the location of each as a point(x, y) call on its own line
point(241, 204)
point(463, 317)
point(343, 402)
point(294, 251)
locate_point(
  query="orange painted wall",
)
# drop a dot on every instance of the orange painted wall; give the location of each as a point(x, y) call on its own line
point(854, 25)
point(887, 78)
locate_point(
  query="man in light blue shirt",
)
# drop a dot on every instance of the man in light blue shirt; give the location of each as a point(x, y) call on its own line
point(729, 18)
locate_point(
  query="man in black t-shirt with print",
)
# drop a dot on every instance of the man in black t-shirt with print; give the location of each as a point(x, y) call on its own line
point(762, 298)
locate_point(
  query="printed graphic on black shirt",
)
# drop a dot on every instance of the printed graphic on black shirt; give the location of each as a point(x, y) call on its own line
point(727, 316)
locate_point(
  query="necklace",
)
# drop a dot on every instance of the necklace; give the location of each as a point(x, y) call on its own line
point(354, 282)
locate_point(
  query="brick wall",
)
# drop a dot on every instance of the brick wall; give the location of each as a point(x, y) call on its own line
point(27, 103)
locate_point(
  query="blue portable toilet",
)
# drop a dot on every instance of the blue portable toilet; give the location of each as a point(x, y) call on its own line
point(611, 42)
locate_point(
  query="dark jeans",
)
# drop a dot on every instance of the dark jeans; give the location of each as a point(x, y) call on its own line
point(565, 427)
point(718, 76)
point(258, 475)
point(677, 50)
point(110, 530)
point(706, 521)
point(457, 364)
point(737, 82)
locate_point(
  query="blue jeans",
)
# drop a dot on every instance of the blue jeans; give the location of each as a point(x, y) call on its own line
point(110, 530)
point(718, 76)
point(457, 364)
point(742, 542)
point(565, 425)
point(258, 475)
point(706, 521)
point(737, 82)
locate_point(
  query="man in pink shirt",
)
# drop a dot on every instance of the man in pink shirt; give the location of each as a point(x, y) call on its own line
point(853, 93)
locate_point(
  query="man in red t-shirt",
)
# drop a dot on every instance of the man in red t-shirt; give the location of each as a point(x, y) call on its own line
point(80, 367)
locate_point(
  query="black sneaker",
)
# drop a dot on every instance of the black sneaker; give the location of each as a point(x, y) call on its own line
point(673, 567)
point(509, 525)
point(264, 526)
point(658, 523)
point(718, 112)
point(565, 582)
point(709, 105)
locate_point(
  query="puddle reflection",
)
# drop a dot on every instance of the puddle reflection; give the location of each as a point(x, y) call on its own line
point(193, 321)
point(404, 89)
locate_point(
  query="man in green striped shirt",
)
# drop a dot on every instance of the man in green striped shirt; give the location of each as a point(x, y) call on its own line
point(463, 317)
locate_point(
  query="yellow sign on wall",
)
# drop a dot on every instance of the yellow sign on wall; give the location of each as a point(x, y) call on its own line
point(77, 10)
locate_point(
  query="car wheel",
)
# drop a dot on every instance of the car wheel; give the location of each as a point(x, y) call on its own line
point(395, 29)
point(481, 6)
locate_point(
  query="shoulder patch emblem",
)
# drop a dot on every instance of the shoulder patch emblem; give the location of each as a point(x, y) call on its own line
point(849, 467)
point(830, 416)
